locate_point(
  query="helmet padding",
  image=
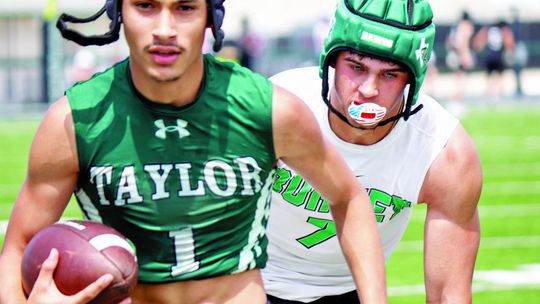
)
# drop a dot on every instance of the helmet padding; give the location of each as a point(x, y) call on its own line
point(400, 31)
point(113, 9)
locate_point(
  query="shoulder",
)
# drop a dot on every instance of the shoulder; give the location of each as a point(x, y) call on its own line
point(101, 84)
point(293, 122)
point(456, 163)
point(58, 119)
point(433, 110)
point(432, 106)
point(455, 173)
point(218, 68)
point(298, 75)
point(231, 77)
point(433, 120)
point(286, 103)
point(460, 152)
point(56, 127)
point(119, 69)
point(58, 110)
point(302, 82)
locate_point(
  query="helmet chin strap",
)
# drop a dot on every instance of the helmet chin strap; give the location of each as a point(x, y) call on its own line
point(401, 114)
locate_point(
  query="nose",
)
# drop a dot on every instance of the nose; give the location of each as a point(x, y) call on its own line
point(164, 29)
point(369, 88)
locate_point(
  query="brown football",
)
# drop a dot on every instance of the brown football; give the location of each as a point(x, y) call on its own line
point(87, 250)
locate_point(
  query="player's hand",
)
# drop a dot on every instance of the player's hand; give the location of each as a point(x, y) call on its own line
point(46, 292)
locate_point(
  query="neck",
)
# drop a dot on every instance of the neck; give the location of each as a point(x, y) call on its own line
point(178, 89)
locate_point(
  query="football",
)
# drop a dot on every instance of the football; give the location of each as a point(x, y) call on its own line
point(87, 250)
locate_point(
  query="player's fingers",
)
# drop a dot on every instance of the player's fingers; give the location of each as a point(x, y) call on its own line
point(45, 279)
point(92, 290)
point(47, 268)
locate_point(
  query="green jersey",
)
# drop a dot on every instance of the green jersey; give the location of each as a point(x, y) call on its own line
point(189, 186)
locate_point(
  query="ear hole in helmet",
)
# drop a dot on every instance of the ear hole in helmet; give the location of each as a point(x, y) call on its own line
point(216, 14)
point(113, 8)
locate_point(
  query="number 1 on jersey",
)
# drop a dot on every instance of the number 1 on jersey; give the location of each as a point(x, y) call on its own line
point(184, 249)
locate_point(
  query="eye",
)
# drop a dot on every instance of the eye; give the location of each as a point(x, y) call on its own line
point(356, 67)
point(144, 5)
point(390, 75)
point(186, 8)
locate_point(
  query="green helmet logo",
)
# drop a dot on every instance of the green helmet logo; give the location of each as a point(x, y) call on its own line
point(398, 30)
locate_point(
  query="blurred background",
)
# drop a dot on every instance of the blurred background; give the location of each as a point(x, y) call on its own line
point(497, 99)
point(266, 36)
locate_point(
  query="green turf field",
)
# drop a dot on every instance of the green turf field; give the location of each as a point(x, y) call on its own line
point(508, 264)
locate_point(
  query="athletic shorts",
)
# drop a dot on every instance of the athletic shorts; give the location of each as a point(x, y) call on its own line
point(346, 298)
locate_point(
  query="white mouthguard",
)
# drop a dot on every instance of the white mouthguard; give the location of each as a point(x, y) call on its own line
point(367, 114)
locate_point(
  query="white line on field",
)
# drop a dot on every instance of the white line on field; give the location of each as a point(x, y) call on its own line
point(3, 227)
point(494, 211)
point(411, 290)
point(529, 241)
point(524, 277)
point(508, 187)
point(511, 169)
point(531, 141)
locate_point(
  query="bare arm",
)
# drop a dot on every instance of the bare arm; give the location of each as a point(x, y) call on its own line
point(452, 230)
point(508, 39)
point(300, 144)
point(464, 34)
point(49, 183)
point(480, 39)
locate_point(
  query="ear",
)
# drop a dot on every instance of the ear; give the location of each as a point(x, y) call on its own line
point(332, 60)
point(216, 13)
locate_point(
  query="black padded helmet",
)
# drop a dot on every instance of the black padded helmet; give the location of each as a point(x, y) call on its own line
point(113, 9)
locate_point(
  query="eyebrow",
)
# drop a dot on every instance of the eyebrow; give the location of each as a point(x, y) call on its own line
point(181, 1)
point(352, 58)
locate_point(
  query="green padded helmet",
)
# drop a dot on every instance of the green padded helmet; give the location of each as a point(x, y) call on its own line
point(401, 31)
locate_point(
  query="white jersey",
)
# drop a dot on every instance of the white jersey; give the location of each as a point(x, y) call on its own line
point(305, 260)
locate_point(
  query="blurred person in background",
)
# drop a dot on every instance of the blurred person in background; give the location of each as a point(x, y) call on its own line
point(401, 144)
point(176, 150)
point(230, 52)
point(460, 59)
point(518, 59)
point(432, 73)
point(83, 66)
point(495, 42)
point(251, 45)
point(319, 33)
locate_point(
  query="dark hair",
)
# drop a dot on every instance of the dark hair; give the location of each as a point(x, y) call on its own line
point(502, 23)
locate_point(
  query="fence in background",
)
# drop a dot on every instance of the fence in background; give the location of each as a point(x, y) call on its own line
point(25, 79)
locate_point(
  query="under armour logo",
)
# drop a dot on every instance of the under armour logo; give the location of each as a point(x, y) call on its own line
point(163, 129)
point(421, 52)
